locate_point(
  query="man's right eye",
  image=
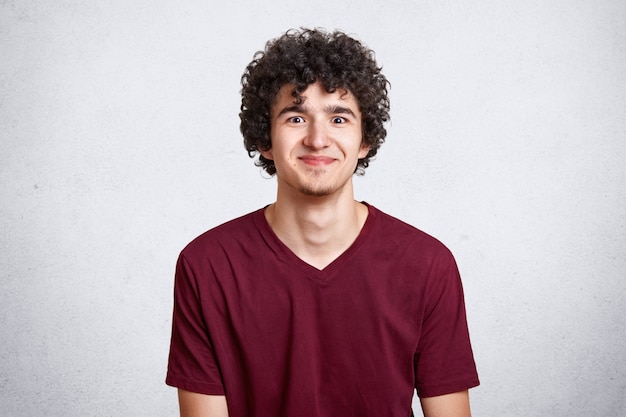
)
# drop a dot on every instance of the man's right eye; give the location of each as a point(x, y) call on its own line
point(296, 119)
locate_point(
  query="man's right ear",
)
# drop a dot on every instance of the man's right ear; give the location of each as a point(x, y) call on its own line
point(267, 154)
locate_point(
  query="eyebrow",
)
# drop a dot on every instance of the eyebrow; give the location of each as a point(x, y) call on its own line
point(330, 109)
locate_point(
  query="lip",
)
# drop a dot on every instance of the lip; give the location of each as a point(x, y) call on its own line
point(316, 160)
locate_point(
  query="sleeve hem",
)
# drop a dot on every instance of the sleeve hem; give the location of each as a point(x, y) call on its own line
point(447, 388)
point(194, 386)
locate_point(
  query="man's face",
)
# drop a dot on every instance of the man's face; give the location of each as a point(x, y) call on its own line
point(316, 145)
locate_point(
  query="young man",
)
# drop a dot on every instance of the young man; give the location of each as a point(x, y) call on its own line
point(317, 305)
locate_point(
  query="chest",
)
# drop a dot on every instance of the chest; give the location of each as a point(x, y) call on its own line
point(361, 302)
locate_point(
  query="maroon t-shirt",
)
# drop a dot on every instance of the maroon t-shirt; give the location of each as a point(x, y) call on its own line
point(279, 337)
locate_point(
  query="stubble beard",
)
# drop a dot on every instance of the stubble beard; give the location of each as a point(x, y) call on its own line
point(317, 188)
point(316, 191)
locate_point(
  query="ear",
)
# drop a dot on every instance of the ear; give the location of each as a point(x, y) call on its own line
point(267, 154)
point(364, 150)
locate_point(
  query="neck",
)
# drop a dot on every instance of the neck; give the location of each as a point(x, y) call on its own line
point(317, 229)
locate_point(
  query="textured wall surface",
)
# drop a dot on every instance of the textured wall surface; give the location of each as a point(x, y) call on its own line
point(119, 143)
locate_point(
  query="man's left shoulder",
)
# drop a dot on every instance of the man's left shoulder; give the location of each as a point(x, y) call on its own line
point(404, 234)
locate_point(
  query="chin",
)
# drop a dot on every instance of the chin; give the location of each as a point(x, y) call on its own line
point(316, 191)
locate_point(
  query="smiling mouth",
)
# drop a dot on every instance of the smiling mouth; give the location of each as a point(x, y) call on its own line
point(316, 160)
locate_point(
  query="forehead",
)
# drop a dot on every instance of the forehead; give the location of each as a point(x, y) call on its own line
point(313, 92)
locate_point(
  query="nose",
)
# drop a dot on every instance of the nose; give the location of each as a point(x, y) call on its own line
point(317, 136)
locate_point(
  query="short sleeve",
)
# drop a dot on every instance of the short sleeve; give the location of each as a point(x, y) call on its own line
point(192, 364)
point(444, 361)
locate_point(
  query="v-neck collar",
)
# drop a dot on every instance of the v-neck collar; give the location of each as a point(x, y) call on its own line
point(286, 255)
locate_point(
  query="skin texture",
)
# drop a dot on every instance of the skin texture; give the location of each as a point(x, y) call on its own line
point(200, 405)
point(450, 405)
point(316, 146)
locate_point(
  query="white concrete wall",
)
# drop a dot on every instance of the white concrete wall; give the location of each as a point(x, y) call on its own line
point(120, 143)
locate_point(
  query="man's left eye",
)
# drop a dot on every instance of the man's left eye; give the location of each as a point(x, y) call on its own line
point(339, 120)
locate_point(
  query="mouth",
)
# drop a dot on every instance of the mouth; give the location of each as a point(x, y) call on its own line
point(316, 160)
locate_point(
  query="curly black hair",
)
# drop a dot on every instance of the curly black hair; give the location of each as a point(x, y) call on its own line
point(300, 58)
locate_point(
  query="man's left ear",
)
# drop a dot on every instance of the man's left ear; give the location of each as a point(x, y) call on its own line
point(364, 151)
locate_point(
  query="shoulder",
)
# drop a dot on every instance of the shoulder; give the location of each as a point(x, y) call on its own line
point(401, 234)
point(233, 233)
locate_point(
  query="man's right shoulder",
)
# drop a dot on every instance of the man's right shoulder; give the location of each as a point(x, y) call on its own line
point(232, 232)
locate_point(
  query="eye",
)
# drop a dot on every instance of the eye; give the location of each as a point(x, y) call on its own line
point(339, 120)
point(296, 119)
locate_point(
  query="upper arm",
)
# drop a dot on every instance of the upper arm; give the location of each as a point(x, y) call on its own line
point(193, 404)
point(449, 405)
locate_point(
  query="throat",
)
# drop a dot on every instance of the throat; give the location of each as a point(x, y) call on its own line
point(320, 255)
point(316, 242)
